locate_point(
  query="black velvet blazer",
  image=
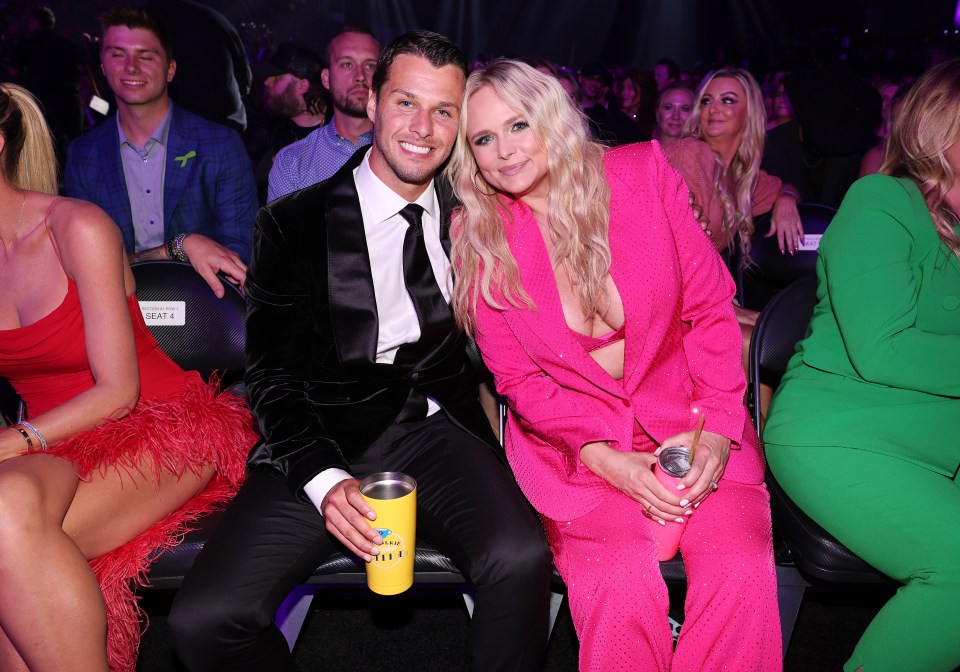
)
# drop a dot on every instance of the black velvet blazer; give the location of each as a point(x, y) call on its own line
point(318, 395)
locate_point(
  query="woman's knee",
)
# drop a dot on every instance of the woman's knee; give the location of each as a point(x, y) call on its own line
point(26, 511)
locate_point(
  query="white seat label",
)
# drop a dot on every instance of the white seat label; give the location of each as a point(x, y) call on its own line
point(164, 313)
point(811, 241)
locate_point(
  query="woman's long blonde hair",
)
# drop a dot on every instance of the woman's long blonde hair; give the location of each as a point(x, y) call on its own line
point(578, 203)
point(923, 129)
point(28, 160)
point(735, 185)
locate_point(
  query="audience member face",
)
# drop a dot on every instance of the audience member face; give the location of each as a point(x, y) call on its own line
point(416, 117)
point(781, 104)
point(723, 114)
point(629, 94)
point(135, 65)
point(593, 91)
point(280, 95)
point(661, 76)
point(675, 107)
point(353, 60)
point(510, 157)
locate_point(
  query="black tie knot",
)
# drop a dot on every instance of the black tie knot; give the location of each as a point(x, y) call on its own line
point(413, 213)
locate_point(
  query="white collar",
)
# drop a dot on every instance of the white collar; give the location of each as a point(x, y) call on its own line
point(381, 202)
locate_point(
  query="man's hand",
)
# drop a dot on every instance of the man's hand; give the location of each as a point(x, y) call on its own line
point(347, 513)
point(208, 257)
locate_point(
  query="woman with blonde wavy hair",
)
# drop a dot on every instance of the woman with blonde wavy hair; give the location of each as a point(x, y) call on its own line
point(119, 447)
point(720, 160)
point(605, 316)
point(862, 430)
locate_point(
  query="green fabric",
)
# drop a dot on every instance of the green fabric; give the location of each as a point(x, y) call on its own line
point(901, 518)
point(879, 368)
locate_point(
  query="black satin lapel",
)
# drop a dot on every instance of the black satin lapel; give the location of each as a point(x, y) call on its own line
point(447, 204)
point(353, 305)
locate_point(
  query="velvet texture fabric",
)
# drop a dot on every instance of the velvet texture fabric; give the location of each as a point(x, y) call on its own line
point(324, 398)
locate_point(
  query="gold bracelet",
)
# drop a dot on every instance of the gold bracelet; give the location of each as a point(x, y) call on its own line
point(26, 437)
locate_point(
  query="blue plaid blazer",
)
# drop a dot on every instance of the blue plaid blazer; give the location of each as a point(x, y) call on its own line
point(213, 192)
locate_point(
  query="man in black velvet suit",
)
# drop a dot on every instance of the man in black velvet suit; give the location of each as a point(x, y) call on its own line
point(354, 367)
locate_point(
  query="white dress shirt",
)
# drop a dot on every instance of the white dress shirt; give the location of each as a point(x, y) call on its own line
point(398, 324)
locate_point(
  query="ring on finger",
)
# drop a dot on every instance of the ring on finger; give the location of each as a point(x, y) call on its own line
point(714, 485)
point(646, 511)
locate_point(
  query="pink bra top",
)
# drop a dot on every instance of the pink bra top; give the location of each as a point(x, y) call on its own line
point(591, 343)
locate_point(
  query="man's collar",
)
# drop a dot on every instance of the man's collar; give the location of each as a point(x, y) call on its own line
point(160, 134)
point(381, 202)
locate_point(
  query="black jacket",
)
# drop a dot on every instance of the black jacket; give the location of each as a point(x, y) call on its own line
point(315, 388)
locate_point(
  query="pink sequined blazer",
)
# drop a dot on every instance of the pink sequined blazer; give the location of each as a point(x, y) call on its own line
point(682, 344)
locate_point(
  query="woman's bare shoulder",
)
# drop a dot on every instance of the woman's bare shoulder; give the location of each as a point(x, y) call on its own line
point(70, 219)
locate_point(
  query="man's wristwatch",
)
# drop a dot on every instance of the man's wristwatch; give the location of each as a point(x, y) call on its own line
point(175, 248)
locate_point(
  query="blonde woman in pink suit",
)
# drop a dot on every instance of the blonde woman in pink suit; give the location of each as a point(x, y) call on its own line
point(605, 316)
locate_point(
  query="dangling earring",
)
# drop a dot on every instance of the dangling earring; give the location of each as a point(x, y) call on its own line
point(477, 189)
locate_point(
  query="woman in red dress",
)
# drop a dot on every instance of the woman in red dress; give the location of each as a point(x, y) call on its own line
point(120, 448)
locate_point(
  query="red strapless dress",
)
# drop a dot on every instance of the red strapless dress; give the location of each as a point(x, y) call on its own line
point(180, 423)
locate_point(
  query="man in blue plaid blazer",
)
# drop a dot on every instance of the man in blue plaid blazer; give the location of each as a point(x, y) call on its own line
point(178, 186)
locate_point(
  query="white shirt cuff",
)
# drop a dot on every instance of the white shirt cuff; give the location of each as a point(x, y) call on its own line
point(318, 486)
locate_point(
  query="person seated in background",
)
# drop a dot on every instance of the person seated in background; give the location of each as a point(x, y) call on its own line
point(674, 106)
point(351, 61)
point(294, 96)
point(601, 365)
point(608, 124)
point(862, 431)
point(120, 448)
point(665, 73)
point(819, 151)
point(719, 157)
point(873, 157)
point(637, 94)
point(215, 74)
point(178, 186)
point(781, 111)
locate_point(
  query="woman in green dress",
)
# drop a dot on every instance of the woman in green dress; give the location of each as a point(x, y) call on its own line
point(864, 431)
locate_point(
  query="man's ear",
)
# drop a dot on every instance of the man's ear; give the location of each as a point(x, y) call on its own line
point(171, 70)
point(371, 105)
point(325, 78)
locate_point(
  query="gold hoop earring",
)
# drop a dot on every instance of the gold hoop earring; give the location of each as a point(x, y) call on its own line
point(477, 189)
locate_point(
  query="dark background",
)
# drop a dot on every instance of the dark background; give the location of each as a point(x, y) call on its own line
point(882, 36)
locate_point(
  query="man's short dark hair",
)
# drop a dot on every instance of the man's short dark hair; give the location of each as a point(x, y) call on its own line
point(673, 70)
point(136, 17)
point(434, 47)
point(44, 16)
point(349, 28)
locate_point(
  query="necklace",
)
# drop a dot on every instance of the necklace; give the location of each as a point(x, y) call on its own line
point(20, 216)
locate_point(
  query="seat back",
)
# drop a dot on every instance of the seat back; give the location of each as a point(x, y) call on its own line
point(196, 329)
point(815, 552)
point(771, 271)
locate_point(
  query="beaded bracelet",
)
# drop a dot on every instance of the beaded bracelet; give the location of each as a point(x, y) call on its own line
point(175, 248)
point(43, 442)
point(26, 437)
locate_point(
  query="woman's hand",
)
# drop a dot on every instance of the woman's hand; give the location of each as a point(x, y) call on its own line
point(709, 463)
point(632, 474)
point(785, 223)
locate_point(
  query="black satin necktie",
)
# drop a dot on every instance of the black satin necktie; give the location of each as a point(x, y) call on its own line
point(433, 312)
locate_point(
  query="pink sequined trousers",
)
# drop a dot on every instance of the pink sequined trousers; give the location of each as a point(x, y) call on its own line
point(619, 601)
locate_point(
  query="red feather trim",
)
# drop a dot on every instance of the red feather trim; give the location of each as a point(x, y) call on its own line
point(200, 427)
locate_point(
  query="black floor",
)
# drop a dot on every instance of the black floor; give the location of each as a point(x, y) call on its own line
point(427, 631)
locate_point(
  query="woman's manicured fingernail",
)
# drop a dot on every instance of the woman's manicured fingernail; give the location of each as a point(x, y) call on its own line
point(661, 521)
point(681, 486)
point(688, 512)
point(678, 520)
point(696, 505)
point(684, 502)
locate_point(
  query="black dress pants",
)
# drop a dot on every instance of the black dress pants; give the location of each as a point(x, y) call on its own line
point(468, 507)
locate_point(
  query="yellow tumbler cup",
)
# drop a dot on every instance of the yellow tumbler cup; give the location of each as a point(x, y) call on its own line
point(393, 495)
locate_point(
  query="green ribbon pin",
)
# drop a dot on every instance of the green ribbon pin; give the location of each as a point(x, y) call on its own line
point(186, 157)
